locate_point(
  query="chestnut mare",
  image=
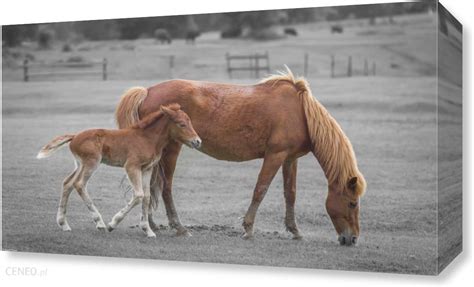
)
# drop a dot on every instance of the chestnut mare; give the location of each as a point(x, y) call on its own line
point(278, 120)
point(137, 149)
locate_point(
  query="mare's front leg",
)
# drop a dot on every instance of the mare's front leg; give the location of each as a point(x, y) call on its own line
point(144, 222)
point(134, 174)
point(271, 164)
point(289, 186)
point(168, 163)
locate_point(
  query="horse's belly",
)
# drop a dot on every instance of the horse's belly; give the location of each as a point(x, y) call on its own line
point(222, 153)
point(235, 147)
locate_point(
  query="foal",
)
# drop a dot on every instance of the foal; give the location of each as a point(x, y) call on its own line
point(137, 149)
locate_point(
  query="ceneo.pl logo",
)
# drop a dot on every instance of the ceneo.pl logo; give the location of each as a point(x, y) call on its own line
point(25, 271)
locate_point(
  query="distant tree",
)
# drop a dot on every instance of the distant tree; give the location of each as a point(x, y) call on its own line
point(45, 39)
point(97, 30)
point(13, 35)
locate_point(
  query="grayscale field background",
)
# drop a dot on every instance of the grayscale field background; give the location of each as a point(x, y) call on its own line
point(390, 119)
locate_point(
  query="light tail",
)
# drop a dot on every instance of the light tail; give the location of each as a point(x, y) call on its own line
point(54, 145)
point(126, 114)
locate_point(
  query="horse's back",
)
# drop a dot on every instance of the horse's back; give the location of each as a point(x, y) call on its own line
point(236, 122)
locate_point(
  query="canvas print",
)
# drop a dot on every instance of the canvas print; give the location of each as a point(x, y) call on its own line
point(326, 137)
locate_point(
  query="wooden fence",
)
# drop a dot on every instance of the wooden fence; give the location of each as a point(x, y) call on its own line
point(64, 69)
point(251, 62)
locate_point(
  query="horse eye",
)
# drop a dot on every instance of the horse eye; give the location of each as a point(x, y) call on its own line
point(181, 125)
point(352, 204)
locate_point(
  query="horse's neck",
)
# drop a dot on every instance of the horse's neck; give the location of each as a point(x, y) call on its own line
point(332, 149)
point(158, 133)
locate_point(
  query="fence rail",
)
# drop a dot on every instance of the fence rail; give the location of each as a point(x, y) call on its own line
point(36, 70)
point(255, 63)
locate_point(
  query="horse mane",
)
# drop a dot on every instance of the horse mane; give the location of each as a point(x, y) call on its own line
point(151, 118)
point(331, 146)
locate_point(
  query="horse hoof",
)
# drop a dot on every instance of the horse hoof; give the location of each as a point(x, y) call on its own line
point(297, 237)
point(65, 227)
point(151, 235)
point(247, 236)
point(101, 226)
point(183, 233)
point(109, 228)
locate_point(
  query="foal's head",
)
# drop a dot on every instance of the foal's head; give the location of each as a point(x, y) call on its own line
point(181, 128)
point(342, 205)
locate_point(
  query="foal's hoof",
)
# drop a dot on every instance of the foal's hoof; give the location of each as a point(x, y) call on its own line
point(151, 235)
point(65, 227)
point(183, 233)
point(101, 226)
point(247, 236)
point(109, 228)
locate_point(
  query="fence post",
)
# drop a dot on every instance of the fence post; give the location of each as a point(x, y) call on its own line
point(25, 70)
point(104, 69)
point(171, 63)
point(305, 72)
point(229, 70)
point(349, 67)
point(373, 68)
point(268, 61)
point(366, 67)
point(333, 64)
point(257, 66)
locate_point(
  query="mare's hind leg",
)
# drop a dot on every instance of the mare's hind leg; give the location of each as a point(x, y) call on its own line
point(289, 185)
point(144, 222)
point(135, 177)
point(271, 164)
point(67, 188)
point(80, 183)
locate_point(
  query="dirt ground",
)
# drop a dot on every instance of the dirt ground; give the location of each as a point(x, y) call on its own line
point(391, 121)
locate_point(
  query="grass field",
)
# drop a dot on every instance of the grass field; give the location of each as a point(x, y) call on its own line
point(391, 121)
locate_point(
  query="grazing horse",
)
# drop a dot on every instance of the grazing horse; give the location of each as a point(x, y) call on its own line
point(137, 149)
point(278, 120)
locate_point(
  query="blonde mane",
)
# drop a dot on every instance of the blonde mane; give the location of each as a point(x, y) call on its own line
point(331, 146)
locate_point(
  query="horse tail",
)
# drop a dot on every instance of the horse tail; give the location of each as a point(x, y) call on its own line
point(126, 113)
point(54, 145)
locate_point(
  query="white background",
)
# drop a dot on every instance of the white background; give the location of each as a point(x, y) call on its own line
point(94, 271)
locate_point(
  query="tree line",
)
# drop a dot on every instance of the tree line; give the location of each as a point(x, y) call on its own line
point(178, 26)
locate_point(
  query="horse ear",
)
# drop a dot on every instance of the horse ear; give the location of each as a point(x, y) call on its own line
point(352, 183)
point(167, 111)
point(175, 107)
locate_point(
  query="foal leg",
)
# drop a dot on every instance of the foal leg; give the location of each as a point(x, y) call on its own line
point(135, 177)
point(144, 223)
point(67, 188)
point(153, 180)
point(168, 161)
point(271, 164)
point(85, 172)
point(289, 185)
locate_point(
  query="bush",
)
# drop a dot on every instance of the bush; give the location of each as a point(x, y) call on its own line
point(67, 48)
point(45, 39)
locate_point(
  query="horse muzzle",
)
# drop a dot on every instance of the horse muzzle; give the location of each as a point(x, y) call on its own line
point(196, 143)
point(347, 239)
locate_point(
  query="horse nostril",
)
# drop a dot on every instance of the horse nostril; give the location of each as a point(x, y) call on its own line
point(342, 240)
point(354, 240)
point(197, 143)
